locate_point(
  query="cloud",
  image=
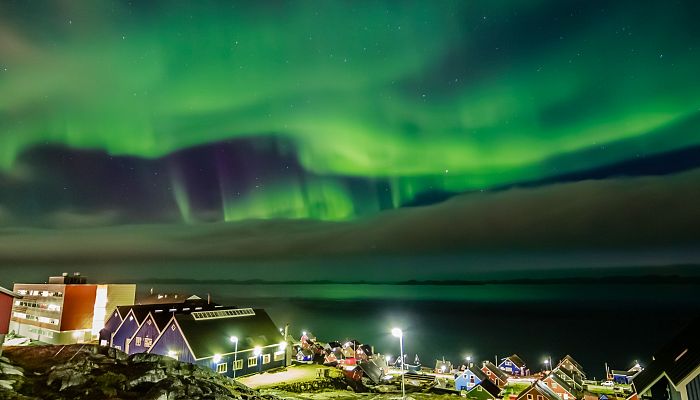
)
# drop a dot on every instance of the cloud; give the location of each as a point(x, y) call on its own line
point(630, 215)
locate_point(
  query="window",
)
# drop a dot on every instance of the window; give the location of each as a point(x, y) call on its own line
point(252, 361)
point(118, 347)
point(488, 372)
point(221, 368)
point(147, 342)
point(529, 397)
point(279, 356)
point(471, 378)
point(138, 340)
point(478, 388)
point(238, 365)
point(539, 397)
point(266, 358)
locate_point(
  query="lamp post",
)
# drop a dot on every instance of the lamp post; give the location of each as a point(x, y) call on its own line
point(546, 364)
point(234, 339)
point(469, 361)
point(257, 351)
point(397, 332)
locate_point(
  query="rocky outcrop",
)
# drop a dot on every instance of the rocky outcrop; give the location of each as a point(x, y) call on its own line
point(93, 372)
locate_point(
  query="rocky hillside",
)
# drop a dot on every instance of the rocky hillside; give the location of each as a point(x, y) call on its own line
point(91, 372)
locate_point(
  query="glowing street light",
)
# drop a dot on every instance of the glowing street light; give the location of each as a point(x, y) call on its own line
point(217, 358)
point(234, 339)
point(397, 332)
point(257, 352)
point(469, 361)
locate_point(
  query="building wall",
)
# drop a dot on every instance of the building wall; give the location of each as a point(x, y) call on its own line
point(172, 343)
point(126, 331)
point(693, 389)
point(492, 377)
point(38, 311)
point(533, 392)
point(78, 307)
point(509, 367)
point(110, 326)
point(558, 389)
point(6, 303)
point(466, 380)
point(107, 298)
point(245, 355)
point(147, 333)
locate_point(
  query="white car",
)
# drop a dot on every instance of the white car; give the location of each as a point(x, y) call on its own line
point(608, 383)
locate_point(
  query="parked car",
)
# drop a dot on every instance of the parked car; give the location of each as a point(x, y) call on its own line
point(608, 383)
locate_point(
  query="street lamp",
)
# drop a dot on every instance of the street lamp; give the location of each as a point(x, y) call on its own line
point(234, 339)
point(469, 361)
point(546, 364)
point(257, 351)
point(397, 332)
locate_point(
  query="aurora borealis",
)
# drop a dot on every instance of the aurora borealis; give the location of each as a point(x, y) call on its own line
point(183, 116)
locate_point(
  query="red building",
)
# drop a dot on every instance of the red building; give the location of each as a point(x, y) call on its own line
point(6, 300)
point(495, 375)
point(560, 387)
point(538, 391)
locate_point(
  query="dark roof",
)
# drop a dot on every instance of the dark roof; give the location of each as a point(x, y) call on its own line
point(677, 359)
point(572, 361)
point(564, 384)
point(569, 374)
point(496, 371)
point(516, 360)
point(170, 298)
point(489, 387)
point(478, 372)
point(9, 292)
point(208, 337)
point(542, 389)
point(141, 310)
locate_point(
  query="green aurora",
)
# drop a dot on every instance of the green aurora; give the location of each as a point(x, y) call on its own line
point(425, 96)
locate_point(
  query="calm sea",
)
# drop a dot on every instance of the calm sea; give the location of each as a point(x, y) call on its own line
point(611, 323)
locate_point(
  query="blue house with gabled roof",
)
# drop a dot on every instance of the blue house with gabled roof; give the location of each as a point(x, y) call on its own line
point(125, 330)
point(469, 378)
point(204, 338)
point(119, 327)
point(513, 365)
point(148, 332)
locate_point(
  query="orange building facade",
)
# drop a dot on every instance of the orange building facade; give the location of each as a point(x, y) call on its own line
point(67, 309)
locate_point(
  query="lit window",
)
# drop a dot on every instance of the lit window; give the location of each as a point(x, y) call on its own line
point(266, 358)
point(279, 356)
point(147, 342)
point(221, 368)
point(252, 361)
point(238, 365)
point(138, 340)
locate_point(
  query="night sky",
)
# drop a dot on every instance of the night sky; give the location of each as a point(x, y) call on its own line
point(532, 134)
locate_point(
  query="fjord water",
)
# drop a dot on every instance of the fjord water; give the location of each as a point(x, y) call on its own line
point(596, 323)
